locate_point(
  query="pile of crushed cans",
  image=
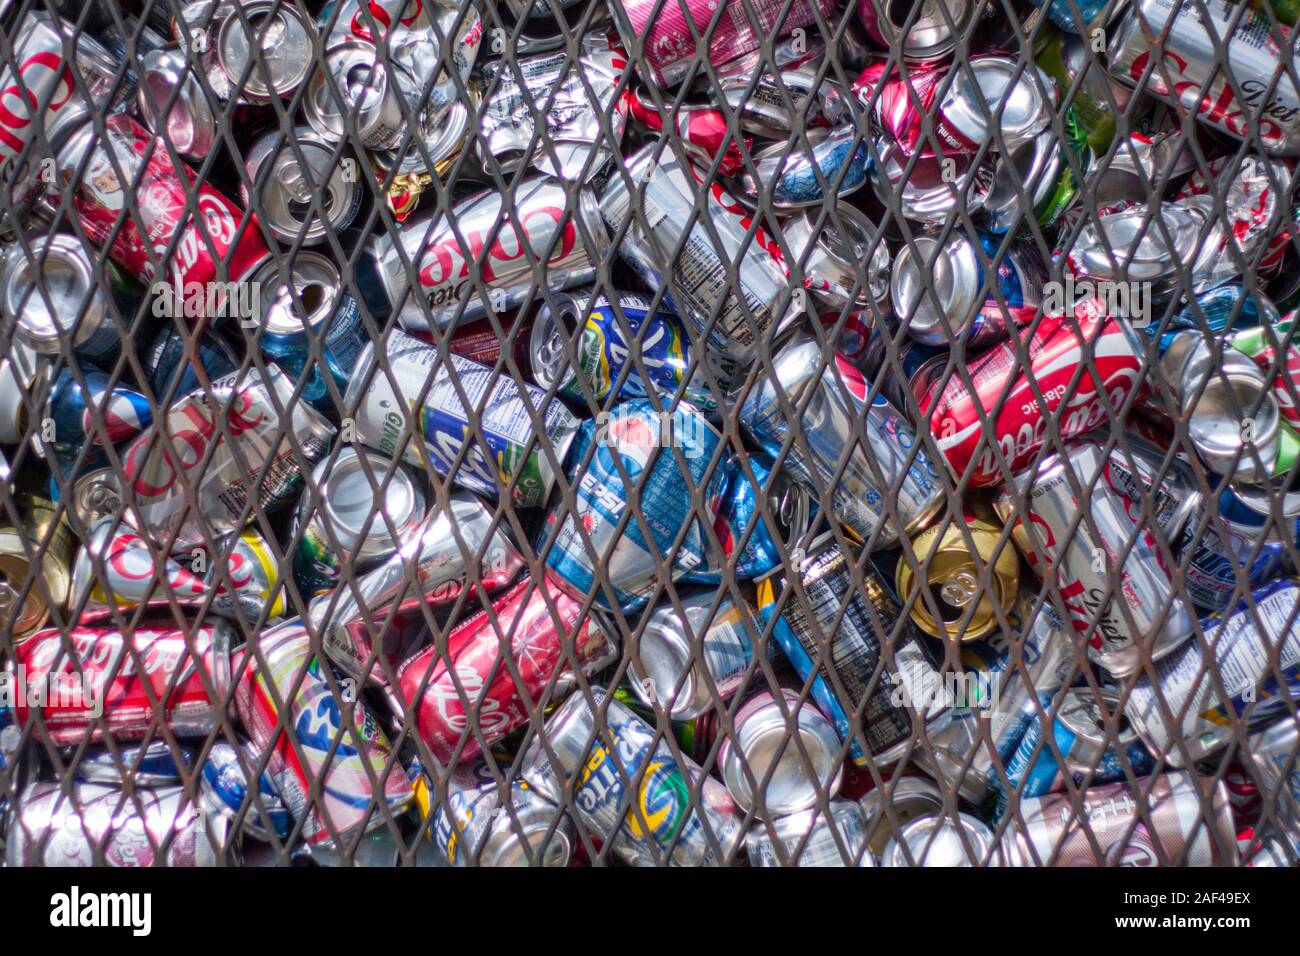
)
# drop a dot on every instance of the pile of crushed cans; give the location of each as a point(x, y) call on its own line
point(753, 432)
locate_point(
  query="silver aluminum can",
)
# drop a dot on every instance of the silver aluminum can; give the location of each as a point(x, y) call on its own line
point(440, 556)
point(902, 800)
point(685, 662)
point(1019, 99)
point(46, 94)
point(97, 494)
point(791, 174)
point(774, 767)
point(364, 95)
point(263, 439)
point(811, 838)
point(697, 276)
point(428, 273)
point(655, 821)
point(285, 189)
point(414, 389)
point(570, 116)
point(833, 257)
point(835, 417)
point(1183, 682)
point(1142, 610)
point(1053, 833)
point(929, 37)
point(140, 827)
point(944, 841)
point(924, 191)
point(473, 827)
point(1139, 468)
point(265, 49)
point(1274, 753)
point(369, 506)
point(166, 77)
point(1220, 394)
point(24, 375)
point(1189, 61)
point(55, 296)
point(837, 627)
point(1034, 662)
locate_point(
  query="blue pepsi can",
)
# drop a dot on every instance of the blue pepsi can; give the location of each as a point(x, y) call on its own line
point(144, 765)
point(608, 350)
point(308, 313)
point(647, 445)
point(169, 367)
point(73, 408)
point(1086, 753)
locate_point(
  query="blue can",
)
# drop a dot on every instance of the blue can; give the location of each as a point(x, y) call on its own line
point(168, 367)
point(1213, 556)
point(790, 504)
point(225, 790)
point(73, 408)
point(144, 765)
point(1219, 308)
point(1090, 757)
point(642, 440)
point(1062, 13)
point(605, 350)
point(313, 312)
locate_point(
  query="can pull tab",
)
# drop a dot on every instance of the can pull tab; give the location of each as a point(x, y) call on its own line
point(960, 589)
point(294, 183)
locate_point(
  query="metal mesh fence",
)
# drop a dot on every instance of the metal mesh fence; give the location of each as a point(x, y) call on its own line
point(658, 433)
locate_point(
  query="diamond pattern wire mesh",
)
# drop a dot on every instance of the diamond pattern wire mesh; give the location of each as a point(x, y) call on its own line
point(628, 602)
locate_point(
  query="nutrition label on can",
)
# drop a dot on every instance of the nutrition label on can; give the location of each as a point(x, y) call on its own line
point(702, 279)
point(854, 646)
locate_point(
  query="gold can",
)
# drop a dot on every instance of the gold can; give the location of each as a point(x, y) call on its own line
point(21, 554)
point(953, 576)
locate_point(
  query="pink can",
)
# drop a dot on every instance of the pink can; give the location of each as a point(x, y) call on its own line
point(668, 44)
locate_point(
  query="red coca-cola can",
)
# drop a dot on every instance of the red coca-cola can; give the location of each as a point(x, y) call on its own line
point(109, 683)
point(204, 257)
point(1006, 391)
point(471, 693)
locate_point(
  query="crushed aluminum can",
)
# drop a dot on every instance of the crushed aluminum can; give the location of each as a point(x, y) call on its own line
point(248, 417)
point(564, 147)
point(957, 273)
point(921, 188)
point(629, 789)
point(466, 700)
point(264, 48)
point(1050, 831)
point(475, 827)
point(429, 269)
point(833, 254)
point(1186, 58)
point(667, 39)
point(452, 550)
point(732, 321)
point(813, 839)
point(93, 824)
point(166, 77)
point(415, 391)
point(792, 173)
point(1241, 648)
point(225, 791)
point(667, 458)
point(144, 765)
point(285, 187)
point(819, 638)
point(928, 37)
point(1140, 613)
point(340, 749)
point(884, 458)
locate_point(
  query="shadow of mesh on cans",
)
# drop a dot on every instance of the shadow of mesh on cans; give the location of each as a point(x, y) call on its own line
point(417, 584)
